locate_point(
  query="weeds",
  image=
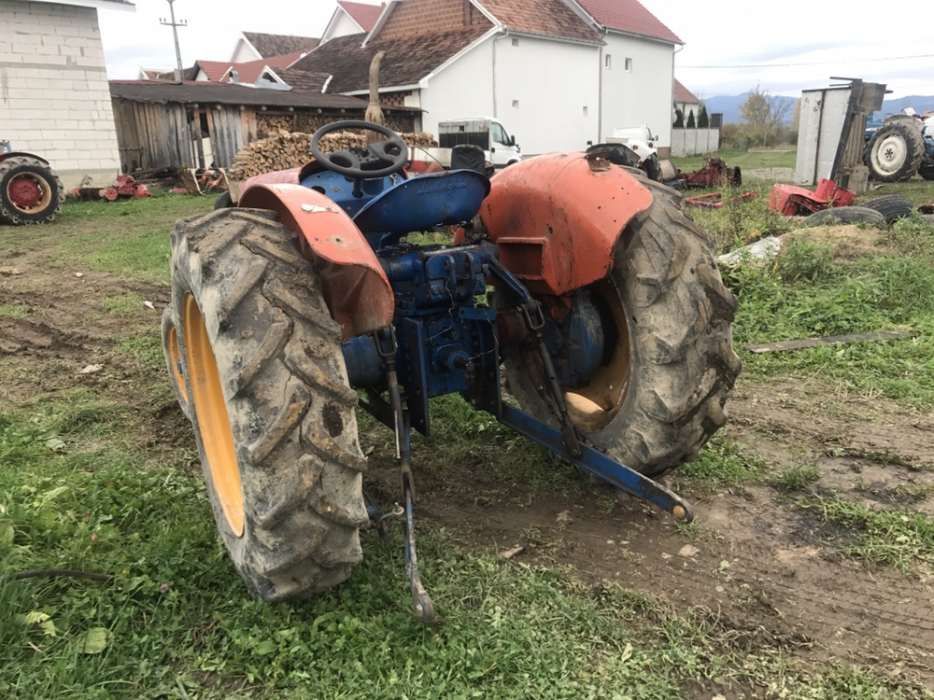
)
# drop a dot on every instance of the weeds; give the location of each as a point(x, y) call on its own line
point(796, 478)
point(888, 537)
point(721, 464)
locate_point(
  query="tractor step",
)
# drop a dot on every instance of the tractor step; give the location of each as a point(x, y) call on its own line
point(600, 465)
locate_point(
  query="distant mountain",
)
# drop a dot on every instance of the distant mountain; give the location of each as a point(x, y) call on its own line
point(731, 105)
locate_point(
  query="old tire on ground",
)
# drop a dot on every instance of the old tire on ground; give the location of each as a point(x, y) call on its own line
point(896, 152)
point(845, 215)
point(173, 361)
point(893, 207)
point(669, 362)
point(270, 402)
point(223, 201)
point(30, 191)
point(927, 171)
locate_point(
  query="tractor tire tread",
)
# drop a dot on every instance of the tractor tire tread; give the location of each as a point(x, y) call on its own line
point(684, 365)
point(297, 446)
point(892, 206)
point(8, 214)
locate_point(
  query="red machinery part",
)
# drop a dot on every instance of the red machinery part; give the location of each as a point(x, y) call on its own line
point(356, 288)
point(714, 200)
point(25, 191)
point(791, 200)
point(557, 218)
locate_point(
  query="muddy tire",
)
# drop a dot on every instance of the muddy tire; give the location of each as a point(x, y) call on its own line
point(896, 152)
point(893, 207)
point(679, 352)
point(173, 360)
point(927, 171)
point(248, 304)
point(845, 215)
point(43, 191)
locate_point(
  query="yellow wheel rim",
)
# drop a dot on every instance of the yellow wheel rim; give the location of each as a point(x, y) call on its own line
point(213, 419)
point(175, 359)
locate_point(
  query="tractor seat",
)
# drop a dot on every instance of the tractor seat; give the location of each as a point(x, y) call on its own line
point(424, 202)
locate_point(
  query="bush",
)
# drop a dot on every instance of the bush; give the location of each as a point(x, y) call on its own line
point(805, 261)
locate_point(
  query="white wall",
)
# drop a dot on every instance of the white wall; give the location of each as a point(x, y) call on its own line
point(553, 83)
point(463, 89)
point(243, 53)
point(694, 142)
point(54, 95)
point(540, 91)
point(642, 95)
point(342, 26)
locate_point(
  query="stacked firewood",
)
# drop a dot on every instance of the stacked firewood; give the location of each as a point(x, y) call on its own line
point(285, 150)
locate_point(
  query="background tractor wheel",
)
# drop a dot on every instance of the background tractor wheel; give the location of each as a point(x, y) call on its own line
point(30, 192)
point(896, 151)
point(270, 403)
point(927, 171)
point(893, 207)
point(668, 359)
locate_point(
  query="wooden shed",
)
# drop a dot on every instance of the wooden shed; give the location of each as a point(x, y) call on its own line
point(198, 124)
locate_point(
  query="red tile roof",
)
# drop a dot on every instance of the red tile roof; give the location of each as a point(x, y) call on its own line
point(629, 16)
point(682, 94)
point(553, 18)
point(363, 14)
point(249, 71)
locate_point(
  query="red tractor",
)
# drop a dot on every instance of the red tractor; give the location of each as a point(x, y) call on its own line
point(577, 285)
point(30, 191)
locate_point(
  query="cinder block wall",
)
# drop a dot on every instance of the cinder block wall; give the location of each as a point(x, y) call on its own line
point(54, 95)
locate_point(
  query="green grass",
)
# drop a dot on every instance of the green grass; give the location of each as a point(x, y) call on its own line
point(889, 537)
point(721, 464)
point(783, 157)
point(127, 304)
point(176, 621)
point(14, 310)
point(129, 238)
point(806, 294)
point(796, 478)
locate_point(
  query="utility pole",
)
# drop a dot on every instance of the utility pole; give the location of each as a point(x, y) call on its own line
point(179, 69)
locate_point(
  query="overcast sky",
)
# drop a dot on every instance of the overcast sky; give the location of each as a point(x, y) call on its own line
point(727, 40)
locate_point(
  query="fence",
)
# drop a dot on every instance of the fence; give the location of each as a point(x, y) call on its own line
point(694, 142)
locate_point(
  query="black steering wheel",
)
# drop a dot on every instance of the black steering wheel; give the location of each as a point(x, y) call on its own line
point(380, 159)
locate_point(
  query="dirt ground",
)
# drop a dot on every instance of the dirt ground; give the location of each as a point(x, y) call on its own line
point(755, 564)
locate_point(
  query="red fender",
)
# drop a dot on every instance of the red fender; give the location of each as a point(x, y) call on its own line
point(355, 286)
point(556, 219)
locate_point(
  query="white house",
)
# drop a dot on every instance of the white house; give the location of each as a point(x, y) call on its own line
point(557, 73)
point(253, 46)
point(686, 101)
point(351, 18)
point(54, 95)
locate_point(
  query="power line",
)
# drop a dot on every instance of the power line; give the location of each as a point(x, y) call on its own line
point(812, 63)
point(179, 69)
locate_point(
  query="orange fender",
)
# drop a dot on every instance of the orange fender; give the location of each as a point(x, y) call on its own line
point(355, 286)
point(556, 219)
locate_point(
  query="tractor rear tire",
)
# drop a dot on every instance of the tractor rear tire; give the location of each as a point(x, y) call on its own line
point(892, 206)
point(896, 152)
point(270, 403)
point(48, 186)
point(927, 171)
point(681, 363)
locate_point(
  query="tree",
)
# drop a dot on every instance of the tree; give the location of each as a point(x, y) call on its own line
point(764, 114)
point(703, 119)
point(692, 124)
point(679, 119)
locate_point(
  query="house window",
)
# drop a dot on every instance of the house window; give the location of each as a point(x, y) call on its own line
point(515, 41)
point(608, 61)
point(515, 104)
point(629, 65)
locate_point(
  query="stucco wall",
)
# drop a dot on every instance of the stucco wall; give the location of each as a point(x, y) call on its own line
point(641, 95)
point(544, 92)
point(344, 26)
point(54, 95)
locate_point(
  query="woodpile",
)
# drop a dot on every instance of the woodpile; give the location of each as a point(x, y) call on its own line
point(285, 150)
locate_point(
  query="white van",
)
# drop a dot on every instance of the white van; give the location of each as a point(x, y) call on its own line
point(489, 134)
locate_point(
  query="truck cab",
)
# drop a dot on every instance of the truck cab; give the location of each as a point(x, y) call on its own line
point(489, 134)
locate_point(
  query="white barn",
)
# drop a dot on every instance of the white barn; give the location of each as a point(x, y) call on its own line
point(54, 95)
point(557, 73)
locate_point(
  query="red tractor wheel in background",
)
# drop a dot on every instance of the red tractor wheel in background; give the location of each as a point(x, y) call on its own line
point(668, 362)
point(30, 192)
